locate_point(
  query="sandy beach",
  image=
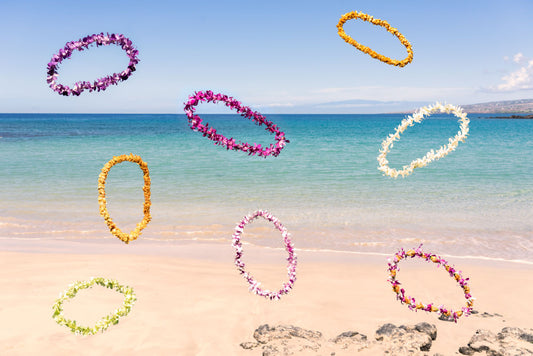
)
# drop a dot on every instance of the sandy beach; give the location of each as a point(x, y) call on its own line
point(192, 301)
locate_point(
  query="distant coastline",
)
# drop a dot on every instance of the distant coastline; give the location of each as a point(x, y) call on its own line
point(508, 117)
point(509, 107)
point(521, 106)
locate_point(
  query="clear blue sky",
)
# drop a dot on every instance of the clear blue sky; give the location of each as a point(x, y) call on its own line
point(276, 56)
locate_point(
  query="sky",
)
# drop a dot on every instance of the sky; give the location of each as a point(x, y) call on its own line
point(274, 56)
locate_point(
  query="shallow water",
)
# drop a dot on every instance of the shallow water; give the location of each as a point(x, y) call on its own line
point(324, 186)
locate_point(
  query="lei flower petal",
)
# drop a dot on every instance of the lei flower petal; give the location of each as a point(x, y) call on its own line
point(100, 84)
point(291, 267)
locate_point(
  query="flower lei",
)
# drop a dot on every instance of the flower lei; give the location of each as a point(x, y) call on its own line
point(84, 43)
point(102, 200)
point(411, 302)
point(417, 117)
point(103, 323)
point(195, 123)
point(367, 50)
point(291, 267)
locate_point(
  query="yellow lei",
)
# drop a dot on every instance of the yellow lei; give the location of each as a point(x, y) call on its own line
point(102, 200)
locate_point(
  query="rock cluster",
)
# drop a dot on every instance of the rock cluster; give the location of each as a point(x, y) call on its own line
point(389, 339)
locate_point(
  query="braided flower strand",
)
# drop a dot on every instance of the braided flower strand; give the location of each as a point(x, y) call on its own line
point(102, 202)
point(195, 123)
point(291, 267)
point(367, 50)
point(417, 117)
point(411, 302)
point(84, 43)
point(103, 323)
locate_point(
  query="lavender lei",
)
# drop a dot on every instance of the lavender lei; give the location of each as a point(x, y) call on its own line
point(195, 123)
point(84, 43)
point(291, 267)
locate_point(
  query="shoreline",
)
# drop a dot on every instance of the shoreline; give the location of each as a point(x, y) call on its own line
point(197, 247)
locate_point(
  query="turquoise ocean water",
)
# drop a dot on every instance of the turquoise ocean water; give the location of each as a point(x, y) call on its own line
point(324, 186)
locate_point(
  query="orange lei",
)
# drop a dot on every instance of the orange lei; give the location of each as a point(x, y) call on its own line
point(367, 50)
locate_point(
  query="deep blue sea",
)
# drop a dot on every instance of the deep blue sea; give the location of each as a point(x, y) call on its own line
point(324, 186)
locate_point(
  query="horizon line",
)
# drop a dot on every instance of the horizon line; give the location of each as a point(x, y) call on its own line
point(226, 113)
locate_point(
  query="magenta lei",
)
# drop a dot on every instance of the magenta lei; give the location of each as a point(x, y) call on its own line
point(84, 43)
point(195, 123)
point(291, 267)
point(411, 302)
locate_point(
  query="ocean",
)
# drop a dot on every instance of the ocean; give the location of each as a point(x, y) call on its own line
point(324, 186)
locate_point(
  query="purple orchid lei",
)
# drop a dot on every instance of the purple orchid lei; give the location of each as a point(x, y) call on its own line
point(84, 43)
point(291, 267)
point(411, 302)
point(195, 123)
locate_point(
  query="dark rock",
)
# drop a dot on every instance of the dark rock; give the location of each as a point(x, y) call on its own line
point(527, 337)
point(262, 333)
point(485, 314)
point(271, 350)
point(510, 341)
point(349, 335)
point(265, 333)
point(446, 318)
point(427, 328)
point(406, 338)
point(351, 339)
point(488, 315)
point(466, 350)
point(385, 330)
point(517, 333)
point(249, 345)
point(482, 341)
